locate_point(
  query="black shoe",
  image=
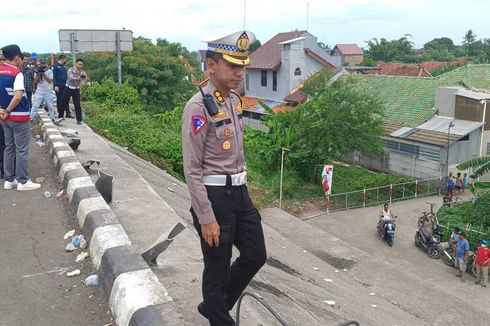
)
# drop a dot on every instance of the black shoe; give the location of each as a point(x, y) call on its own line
point(69, 116)
point(202, 310)
point(79, 122)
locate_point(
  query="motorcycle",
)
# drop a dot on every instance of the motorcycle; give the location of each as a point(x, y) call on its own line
point(449, 260)
point(430, 241)
point(386, 231)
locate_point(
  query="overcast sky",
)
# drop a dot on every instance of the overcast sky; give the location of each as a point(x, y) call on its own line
point(35, 25)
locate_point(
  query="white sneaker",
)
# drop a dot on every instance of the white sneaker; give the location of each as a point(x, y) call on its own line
point(7, 185)
point(29, 185)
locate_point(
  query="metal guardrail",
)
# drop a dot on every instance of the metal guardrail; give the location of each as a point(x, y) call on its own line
point(275, 314)
point(385, 194)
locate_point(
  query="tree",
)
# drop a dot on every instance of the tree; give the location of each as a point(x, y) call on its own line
point(323, 46)
point(161, 72)
point(254, 46)
point(395, 50)
point(338, 119)
point(468, 40)
point(480, 166)
point(442, 44)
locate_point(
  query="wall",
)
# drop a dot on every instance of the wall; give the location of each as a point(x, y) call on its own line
point(398, 164)
point(461, 151)
point(353, 60)
point(445, 101)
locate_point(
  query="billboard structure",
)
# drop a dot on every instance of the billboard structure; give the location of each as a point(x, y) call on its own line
point(96, 40)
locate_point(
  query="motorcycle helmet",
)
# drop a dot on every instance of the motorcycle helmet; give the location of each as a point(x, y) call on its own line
point(484, 242)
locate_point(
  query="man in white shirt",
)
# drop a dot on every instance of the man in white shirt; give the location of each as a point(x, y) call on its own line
point(44, 90)
point(14, 117)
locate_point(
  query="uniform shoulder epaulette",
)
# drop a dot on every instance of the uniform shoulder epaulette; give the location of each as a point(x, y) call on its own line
point(239, 97)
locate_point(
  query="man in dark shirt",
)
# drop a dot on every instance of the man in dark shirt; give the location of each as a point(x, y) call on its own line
point(28, 73)
point(60, 77)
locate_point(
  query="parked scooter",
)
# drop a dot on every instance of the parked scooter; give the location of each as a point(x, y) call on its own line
point(449, 260)
point(386, 230)
point(428, 236)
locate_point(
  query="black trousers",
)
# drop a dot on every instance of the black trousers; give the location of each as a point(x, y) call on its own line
point(240, 225)
point(29, 98)
point(75, 95)
point(2, 150)
point(60, 104)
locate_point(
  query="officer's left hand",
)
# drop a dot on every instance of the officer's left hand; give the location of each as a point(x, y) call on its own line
point(210, 233)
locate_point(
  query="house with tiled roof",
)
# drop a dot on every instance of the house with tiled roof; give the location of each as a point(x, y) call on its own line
point(418, 112)
point(284, 62)
point(349, 54)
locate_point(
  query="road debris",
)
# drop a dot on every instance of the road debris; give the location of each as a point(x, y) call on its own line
point(372, 293)
point(69, 234)
point(92, 280)
point(330, 303)
point(41, 143)
point(47, 194)
point(374, 306)
point(82, 256)
point(60, 193)
point(170, 189)
point(316, 268)
point(77, 241)
point(328, 280)
point(40, 179)
point(73, 273)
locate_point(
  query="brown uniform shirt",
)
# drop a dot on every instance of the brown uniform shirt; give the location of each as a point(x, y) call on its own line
point(211, 145)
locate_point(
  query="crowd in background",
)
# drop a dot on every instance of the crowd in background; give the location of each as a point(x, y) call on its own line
point(28, 83)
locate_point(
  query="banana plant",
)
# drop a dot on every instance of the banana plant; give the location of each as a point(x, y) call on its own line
point(480, 166)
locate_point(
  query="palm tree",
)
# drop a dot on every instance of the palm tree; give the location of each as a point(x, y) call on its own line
point(468, 40)
point(480, 166)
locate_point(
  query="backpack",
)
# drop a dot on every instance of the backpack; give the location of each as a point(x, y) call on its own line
point(450, 184)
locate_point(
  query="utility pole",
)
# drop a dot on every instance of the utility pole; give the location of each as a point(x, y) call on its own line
point(307, 16)
point(451, 124)
point(283, 149)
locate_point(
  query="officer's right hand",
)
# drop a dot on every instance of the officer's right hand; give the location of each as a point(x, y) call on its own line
point(56, 89)
point(210, 233)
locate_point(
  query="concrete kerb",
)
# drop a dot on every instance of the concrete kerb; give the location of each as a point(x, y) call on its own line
point(135, 294)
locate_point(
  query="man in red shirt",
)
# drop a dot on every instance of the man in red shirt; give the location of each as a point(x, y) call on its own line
point(482, 262)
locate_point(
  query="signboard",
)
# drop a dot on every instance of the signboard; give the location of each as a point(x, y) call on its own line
point(88, 40)
point(327, 174)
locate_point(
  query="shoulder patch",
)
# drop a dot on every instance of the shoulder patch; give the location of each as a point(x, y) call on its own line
point(198, 121)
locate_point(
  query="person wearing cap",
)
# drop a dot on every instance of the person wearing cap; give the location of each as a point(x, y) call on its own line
point(482, 262)
point(14, 117)
point(44, 90)
point(214, 168)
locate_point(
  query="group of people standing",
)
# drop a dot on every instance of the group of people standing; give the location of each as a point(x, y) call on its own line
point(43, 81)
point(457, 183)
point(22, 77)
point(462, 253)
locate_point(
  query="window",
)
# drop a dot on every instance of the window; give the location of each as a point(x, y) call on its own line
point(429, 153)
point(274, 80)
point(247, 85)
point(287, 46)
point(263, 78)
point(297, 71)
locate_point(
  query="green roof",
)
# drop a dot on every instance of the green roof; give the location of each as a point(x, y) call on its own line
point(409, 101)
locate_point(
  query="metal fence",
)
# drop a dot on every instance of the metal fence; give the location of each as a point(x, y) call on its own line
point(385, 194)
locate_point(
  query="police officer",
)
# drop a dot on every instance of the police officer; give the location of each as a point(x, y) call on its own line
point(214, 167)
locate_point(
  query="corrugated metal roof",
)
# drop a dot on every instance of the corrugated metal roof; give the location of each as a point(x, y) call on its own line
point(441, 124)
point(473, 95)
